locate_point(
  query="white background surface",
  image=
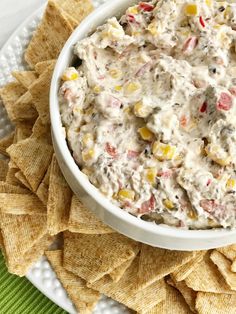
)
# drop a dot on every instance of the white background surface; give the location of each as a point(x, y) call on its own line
point(13, 13)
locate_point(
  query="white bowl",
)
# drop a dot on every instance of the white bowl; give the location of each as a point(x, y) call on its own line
point(156, 235)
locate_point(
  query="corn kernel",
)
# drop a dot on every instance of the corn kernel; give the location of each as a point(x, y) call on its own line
point(97, 89)
point(168, 204)
point(118, 88)
point(133, 10)
point(151, 174)
point(88, 155)
point(191, 9)
point(152, 28)
point(140, 110)
point(230, 183)
point(192, 214)
point(131, 87)
point(209, 3)
point(212, 154)
point(163, 151)
point(126, 194)
point(114, 73)
point(67, 76)
point(127, 110)
point(227, 12)
point(146, 134)
point(87, 139)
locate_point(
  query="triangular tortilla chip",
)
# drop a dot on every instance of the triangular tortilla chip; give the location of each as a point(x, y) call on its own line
point(21, 204)
point(174, 303)
point(233, 266)
point(23, 109)
point(228, 251)
point(33, 158)
point(50, 36)
point(59, 200)
point(26, 78)
point(188, 294)
point(10, 93)
point(123, 292)
point(118, 272)
point(3, 169)
point(8, 188)
point(42, 191)
point(40, 67)
point(20, 234)
point(156, 263)
point(76, 9)
point(40, 93)
point(82, 220)
point(182, 272)
point(207, 278)
point(12, 170)
point(212, 303)
point(83, 297)
point(42, 131)
point(5, 142)
point(224, 266)
point(93, 256)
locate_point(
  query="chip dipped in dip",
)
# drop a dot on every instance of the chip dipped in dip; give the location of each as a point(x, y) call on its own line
point(150, 115)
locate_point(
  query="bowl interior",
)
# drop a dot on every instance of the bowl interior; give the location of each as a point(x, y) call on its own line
point(146, 232)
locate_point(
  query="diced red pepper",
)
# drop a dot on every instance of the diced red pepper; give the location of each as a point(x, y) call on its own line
point(111, 150)
point(165, 174)
point(183, 121)
point(203, 107)
point(202, 21)
point(190, 44)
point(131, 18)
point(225, 102)
point(209, 182)
point(232, 90)
point(132, 154)
point(147, 206)
point(146, 6)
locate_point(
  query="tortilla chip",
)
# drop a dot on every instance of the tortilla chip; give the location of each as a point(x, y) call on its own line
point(42, 131)
point(42, 191)
point(26, 78)
point(19, 175)
point(233, 267)
point(50, 36)
point(156, 263)
point(12, 189)
point(40, 93)
point(76, 9)
point(23, 109)
point(188, 294)
point(224, 266)
point(5, 142)
point(33, 158)
point(141, 301)
point(228, 251)
point(59, 200)
point(21, 204)
point(20, 234)
point(40, 67)
point(83, 297)
point(23, 131)
point(207, 278)
point(118, 272)
point(12, 170)
point(82, 220)
point(182, 272)
point(212, 303)
point(91, 257)
point(10, 93)
point(3, 169)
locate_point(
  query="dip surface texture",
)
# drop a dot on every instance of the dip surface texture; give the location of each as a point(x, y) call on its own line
point(150, 115)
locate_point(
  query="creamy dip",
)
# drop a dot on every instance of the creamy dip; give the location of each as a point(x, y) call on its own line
point(150, 114)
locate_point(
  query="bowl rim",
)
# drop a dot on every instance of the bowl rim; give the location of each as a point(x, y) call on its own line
point(59, 140)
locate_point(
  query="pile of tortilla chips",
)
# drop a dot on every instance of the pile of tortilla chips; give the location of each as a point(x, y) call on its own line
point(37, 205)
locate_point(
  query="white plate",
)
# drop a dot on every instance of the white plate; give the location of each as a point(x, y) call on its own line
point(41, 274)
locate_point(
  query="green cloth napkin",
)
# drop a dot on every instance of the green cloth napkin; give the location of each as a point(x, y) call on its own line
point(19, 296)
